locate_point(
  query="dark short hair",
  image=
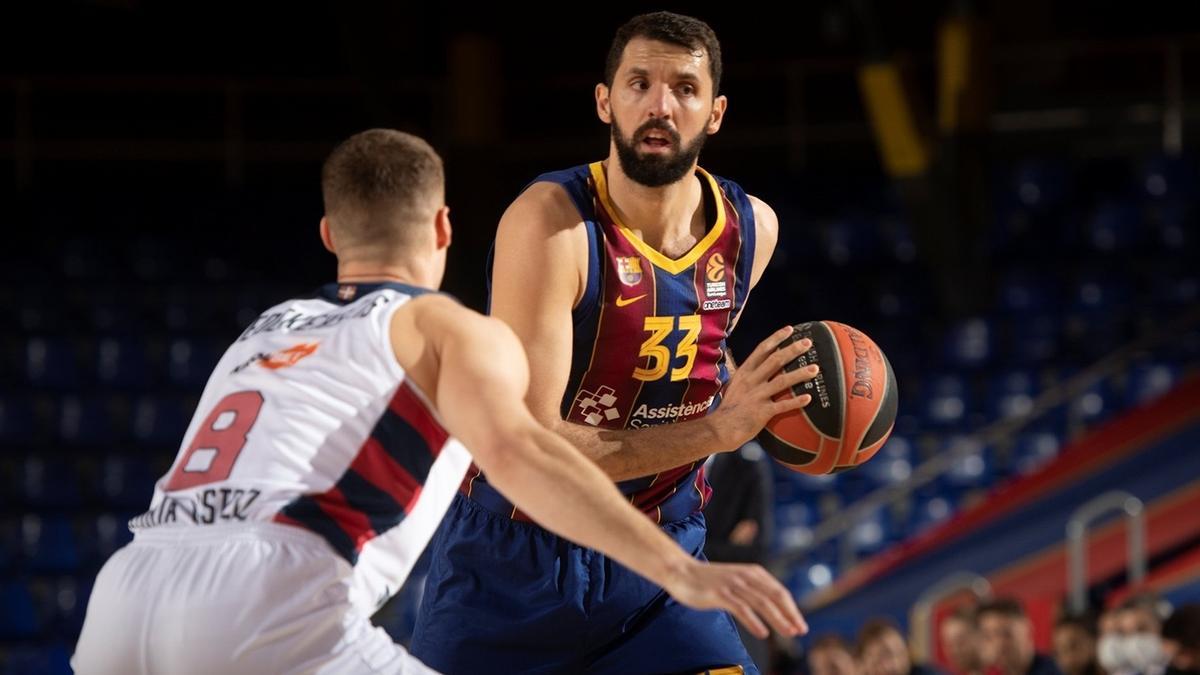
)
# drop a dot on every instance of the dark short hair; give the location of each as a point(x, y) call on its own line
point(830, 641)
point(873, 630)
point(1183, 626)
point(676, 29)
point(377, 182)
point(1009, 607)
point(1085, 622)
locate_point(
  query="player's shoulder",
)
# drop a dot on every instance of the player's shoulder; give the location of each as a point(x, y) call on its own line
point(442, 314)
point(551, 203)
point(764, 215)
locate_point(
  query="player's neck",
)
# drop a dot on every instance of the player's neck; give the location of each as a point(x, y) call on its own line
point(657, 213)
point(357, 271)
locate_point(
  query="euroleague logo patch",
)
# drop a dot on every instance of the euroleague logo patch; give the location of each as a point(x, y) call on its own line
point(714, 276)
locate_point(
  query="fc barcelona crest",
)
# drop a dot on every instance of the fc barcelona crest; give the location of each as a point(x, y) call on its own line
point(630, 270)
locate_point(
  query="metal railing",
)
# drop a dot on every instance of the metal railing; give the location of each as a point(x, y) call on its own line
point(1077, 528)
point(920, 617)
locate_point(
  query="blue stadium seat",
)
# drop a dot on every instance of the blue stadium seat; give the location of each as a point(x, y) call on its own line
point(126, 483)
point(975, 468)
point(39, 312)
point(893, 463)
point(1011, 393)
point(49, 544)
point(1033, 339)
point(63, 601)
point(930, 510)
point(1026, 292)
point(1148, 381)
point(871, 534)
point(1033, 450)
point(1172, 226)
point(114, 313)
point(1100, 293)
point(122, 363)
point(1164, 177)
point(18, 617)
point(190, 362)
point(49, 483)
point(969, 343)
point(86, 422)
point(187, 310)
point(850, 239)
point(1173, 289)
point(1039, 184)
point(10, 546)
point(1093, 406)
point(51, 363)
point(16, 420)
point(946, 401)
point(107, 532)
point(51, 659)
point(159, 422)
point(1113, 226)
point(793, 524)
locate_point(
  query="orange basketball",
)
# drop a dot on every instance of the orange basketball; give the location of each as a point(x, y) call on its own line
point(853, 407)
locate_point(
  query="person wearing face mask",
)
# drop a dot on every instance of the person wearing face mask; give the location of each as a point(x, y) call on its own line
point(1131, 642)
point(1181, 641)
point(1006, 640)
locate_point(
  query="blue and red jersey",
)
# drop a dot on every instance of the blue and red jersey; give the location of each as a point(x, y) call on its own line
point(650, 331)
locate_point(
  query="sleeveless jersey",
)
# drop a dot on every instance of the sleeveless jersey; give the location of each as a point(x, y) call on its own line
point(308, 420)
point(650, 331)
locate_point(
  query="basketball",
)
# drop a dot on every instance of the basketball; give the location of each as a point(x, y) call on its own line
point(853, 406)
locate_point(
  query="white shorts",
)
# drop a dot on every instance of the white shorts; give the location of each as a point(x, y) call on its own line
point(243, 598)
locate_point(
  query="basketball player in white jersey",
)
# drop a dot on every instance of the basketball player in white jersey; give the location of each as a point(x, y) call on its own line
point(328, 444)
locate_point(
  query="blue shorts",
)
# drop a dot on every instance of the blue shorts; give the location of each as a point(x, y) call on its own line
point(506, 596)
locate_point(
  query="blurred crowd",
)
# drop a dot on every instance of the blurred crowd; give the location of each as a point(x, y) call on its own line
point(1141, 636)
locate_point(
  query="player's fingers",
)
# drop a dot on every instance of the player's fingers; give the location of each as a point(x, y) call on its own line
point(744, 613)
point(768, 606)
point(789, 404)
point(782, 357)
point(790, 378)
point(781, 599)
point(764, 348)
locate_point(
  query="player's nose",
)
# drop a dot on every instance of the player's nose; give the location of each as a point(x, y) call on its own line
point(660, 101)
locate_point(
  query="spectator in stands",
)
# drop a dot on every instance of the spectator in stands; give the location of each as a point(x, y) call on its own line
point(831, 655)
point(1006, 640)
point(959, 637)
point(1075, 645)
point(1131, 641)
point(740, 523)
point(1181, 641)
point(883, 651)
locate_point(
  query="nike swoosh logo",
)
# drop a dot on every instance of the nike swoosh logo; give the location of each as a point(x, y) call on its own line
point(621, 302)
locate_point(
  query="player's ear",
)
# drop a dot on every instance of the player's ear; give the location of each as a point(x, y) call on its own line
point(327, 236)
point(442, 228)
point(603, 105)
point(717, 115)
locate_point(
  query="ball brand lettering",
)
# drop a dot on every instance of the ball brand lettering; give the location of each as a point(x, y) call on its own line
point(862, 387)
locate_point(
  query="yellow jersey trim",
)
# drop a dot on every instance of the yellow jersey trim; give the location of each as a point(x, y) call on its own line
point(677, 265)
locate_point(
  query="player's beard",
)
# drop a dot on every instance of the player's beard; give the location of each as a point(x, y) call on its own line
point(656, 170)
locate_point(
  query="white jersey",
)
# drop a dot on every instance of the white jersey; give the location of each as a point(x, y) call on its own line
point(309, 421)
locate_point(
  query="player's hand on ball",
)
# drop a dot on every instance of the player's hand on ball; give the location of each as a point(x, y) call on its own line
point(748, 592)
point(749, 401)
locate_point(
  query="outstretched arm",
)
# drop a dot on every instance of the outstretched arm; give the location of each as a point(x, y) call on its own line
point(481, 377)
